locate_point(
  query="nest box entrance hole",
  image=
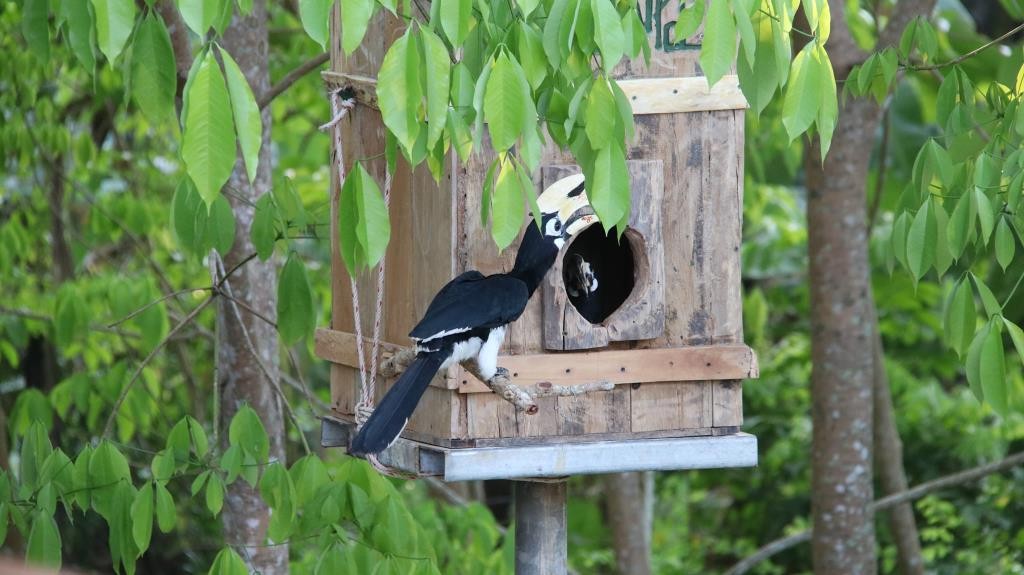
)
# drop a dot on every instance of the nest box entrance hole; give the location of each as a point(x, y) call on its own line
point(600, 270)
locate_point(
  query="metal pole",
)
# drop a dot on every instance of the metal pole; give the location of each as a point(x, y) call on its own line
point(540, 528)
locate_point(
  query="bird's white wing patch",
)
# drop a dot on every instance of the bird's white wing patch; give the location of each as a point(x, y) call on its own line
point(444, 333)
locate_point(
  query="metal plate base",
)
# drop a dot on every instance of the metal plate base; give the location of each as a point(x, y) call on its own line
point(557, 459)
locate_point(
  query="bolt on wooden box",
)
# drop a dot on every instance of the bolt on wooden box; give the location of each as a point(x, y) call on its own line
point(671, 338)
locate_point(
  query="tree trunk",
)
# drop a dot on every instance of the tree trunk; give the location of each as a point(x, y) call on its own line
point(841, 347)
point(842, 308)
point(889, 459)
point(626, 513)
point(245, 516)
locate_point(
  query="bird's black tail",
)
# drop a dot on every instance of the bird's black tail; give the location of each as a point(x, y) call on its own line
point(393, 412)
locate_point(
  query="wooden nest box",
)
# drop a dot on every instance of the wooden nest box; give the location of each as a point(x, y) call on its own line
point(669, 336)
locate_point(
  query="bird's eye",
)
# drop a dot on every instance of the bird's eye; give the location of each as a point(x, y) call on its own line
point(554, 227)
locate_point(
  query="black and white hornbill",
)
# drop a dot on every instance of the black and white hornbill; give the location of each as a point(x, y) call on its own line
point(467, 318)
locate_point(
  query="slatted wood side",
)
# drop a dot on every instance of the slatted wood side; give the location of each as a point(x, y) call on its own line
point(419, 258)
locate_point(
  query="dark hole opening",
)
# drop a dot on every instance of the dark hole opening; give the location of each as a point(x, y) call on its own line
point(599, 273)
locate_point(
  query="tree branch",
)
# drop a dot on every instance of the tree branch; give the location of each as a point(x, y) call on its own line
point(882, 504)
point(124, 391)
point(292, 77)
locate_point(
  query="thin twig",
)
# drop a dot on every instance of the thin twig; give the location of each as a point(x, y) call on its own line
point(883, 152)
point(882, 504)
point(124, 391)
point(251, 347)
point(159, 300)
point(28, 314)
point(970, 54)
point(292, 77)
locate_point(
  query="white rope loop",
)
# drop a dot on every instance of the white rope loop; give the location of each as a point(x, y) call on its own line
point(367, 382)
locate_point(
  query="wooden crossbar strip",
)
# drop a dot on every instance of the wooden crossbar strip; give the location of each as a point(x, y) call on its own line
point(677, 95)
point(694, 363)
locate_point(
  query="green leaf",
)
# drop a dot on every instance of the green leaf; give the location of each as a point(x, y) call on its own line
point(973, 365)
point(529, 190)
point(1006, 245)
point(245, 6)
point(803, 94)
point(817, 15)
point(199, 482)
point(943, 256)
point(601, 111)
point(364, 229)
point(1017, 336)
point(44, 544)
point(531, 55)
point(742, 10)
point(35, 449)
point(456, 16)
point(608, 33)
point(30, 407)
point(296, 317)
point(558, 19)
point(986, 214)
point(316, 17)
point(759, 79)
point(828, 113)
point(992, 369)
point(114, 21)
point(961, 225)
point(277, 490)
point(248, 121)
point(508, 107)
point(154, 77)
point(718, 51)
point(228, 562)
point(264, 230)
point(142, 516)
point(215, 494)
point(400, 72)
point(81, 31)
point(35, 27)
point(508, 207)
point(355, 17)
point(107, 469)
point(308, 475)
point(166, 517)
point(163, 465)
point(689, 20)
point(208, 146)
point(438, 68)
point(201, 15)
point(921, 241)
point(960, 318)
point(246, 430)
point(231, 463)
point(220, 229)
point(988, 300)
point(608, 188)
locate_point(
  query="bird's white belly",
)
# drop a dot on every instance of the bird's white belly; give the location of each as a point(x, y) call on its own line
point(485, 352)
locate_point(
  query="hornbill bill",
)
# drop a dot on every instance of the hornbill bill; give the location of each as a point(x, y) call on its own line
point(467, 318)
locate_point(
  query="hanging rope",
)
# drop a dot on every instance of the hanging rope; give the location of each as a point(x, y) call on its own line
point(367, 382)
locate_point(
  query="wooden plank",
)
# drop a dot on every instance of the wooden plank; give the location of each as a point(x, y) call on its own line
point(678, 95)
point(728, 403)
point(339, 347)
point(624, 366)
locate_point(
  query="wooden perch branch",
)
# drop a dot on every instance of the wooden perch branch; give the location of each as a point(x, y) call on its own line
point(501, 383)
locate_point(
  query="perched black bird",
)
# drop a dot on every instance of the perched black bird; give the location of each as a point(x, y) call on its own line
point(467, 318)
